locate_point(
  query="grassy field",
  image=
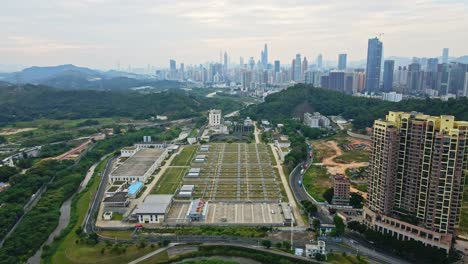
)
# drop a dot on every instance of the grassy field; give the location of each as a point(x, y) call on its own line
point(361, 187)
point(345, 259)
point(71, 252)
point(185, 156)
point(316, 182)
point(169, 181)
point(116, 234)
point(353, 156)
point(48, 130)
point(158, 258)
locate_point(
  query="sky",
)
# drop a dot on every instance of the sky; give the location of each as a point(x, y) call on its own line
point(102, 33)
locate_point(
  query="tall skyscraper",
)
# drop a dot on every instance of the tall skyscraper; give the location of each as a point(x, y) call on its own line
point(319, 61)
point(342, 62)
point(445, 55)
point(389, 67)
point(336, 81)
point(305, 66)
point(416, 177)
point(172, 65)
point(241, 62)
point(277, 66)
point(225, 65)
point(374, 61)
point(414, 82)
point(297, 68)
point(264, 57)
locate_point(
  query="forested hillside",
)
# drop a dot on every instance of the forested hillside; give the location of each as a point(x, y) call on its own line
point(31, 102)
point(304, 98)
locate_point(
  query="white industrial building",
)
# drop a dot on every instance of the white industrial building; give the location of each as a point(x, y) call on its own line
point(140, 165)
point(128, 151)
point(153, 209)
point(200, 158)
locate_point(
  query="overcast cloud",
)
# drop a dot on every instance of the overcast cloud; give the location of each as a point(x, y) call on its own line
point(99, 33)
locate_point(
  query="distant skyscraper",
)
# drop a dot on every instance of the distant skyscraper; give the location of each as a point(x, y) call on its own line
point(277, 66)
point(297, 68)
point(389, 66)
point(414, 77)
point(445, 55)
point(342, 62)
point(264, 57)
point(374, 61)
point(305, 66)
point(225, 66)
point(319, 61)
point(172, 65)
point(251, 63)
point(336, 81)
point(432, 64)
point(241, 61)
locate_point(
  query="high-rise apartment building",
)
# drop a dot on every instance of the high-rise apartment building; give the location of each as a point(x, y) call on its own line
point(389, 66)
point(417, 170)
point(342, 62)
point(305, 66)
point(374, 61)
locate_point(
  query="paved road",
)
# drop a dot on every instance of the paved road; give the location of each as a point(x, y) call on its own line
point(292, 201)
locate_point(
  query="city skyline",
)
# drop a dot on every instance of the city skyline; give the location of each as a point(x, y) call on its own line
point(102, 33)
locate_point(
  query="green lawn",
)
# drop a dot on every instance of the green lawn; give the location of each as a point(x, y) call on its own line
point(316, 181)
point(361, 187)
point(169, 181)
point(116, 234)
point(69, 251)
point(185, 156)
point(353, 156)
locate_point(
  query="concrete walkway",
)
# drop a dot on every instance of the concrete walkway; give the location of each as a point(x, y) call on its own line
point(287, 188)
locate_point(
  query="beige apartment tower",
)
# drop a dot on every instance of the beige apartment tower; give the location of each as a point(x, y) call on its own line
point(418, 165)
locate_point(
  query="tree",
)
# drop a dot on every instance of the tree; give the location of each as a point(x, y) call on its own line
point(339, 226)
point(328, 195)
point(356, 200)
point(266, 243)
point(316, 224)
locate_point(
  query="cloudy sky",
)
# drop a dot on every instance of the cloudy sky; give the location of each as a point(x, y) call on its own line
point(100, 33)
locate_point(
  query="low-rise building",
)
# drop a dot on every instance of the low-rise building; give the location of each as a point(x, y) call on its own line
point(140, 165)
point(200, 158)
point(186, 191)
point(116, 203)
point(311, 250)
point(341, 188)
point(248, 122)
point(153, 209)
point(198, 210)
point(316, 120)
point(193, 173)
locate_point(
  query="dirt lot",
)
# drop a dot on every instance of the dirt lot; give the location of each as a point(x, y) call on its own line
point(329, 150)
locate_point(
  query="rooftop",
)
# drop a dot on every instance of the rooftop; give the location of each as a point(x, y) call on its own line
point(154, 204)
point(187, 188)
point(139, 163)
point(119, 197)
